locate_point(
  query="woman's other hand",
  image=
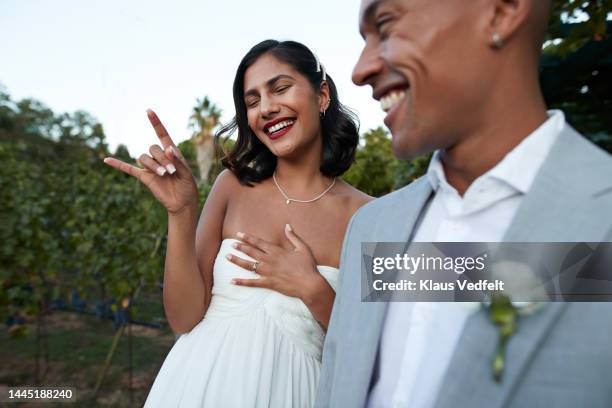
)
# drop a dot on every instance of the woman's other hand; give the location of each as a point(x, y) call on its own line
point(292, 272)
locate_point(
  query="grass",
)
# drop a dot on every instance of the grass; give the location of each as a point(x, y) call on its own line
point(77, 346)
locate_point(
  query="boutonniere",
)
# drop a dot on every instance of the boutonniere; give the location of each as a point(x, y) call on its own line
point(505, 315)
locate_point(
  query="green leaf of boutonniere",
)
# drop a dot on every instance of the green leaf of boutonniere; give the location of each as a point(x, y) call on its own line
point(504, 315)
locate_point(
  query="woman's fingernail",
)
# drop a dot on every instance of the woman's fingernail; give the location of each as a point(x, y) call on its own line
point(235, 245)
point(106, 159)
point(234, 281)
point(171, 168)
point(161, 171)
point(240, 234)
point(288, 228)
point(174, 151)
point(228, 257)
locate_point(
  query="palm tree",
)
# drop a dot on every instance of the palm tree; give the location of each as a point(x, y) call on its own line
point(203, 120)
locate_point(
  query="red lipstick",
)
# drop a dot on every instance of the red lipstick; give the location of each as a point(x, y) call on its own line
point(279, 133)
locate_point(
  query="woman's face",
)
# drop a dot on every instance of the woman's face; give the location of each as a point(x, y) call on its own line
point(282, 107)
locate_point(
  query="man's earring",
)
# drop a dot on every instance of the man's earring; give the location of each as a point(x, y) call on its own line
point(497, 40)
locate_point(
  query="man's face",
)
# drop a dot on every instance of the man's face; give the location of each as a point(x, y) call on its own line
point(424, 61)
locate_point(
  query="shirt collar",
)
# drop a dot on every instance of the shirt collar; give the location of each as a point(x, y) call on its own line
point(520, 166)
point(435, 171)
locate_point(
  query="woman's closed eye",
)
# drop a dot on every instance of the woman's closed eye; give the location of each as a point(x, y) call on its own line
point(282, 88)
point(251, 103)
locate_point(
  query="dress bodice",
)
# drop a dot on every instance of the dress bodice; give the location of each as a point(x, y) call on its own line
point(290, 315)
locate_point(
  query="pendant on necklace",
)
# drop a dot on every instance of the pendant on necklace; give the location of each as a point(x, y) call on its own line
point(288, 201)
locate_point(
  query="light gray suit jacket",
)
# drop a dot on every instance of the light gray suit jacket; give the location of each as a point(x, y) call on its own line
point(561, 356)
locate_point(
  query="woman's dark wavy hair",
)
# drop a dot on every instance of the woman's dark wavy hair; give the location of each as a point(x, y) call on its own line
point(250, 160)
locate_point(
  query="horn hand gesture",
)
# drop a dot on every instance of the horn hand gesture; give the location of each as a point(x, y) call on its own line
point(164, 171)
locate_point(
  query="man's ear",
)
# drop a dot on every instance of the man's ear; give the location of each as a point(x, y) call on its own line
point(505, 20)
point(324, 96)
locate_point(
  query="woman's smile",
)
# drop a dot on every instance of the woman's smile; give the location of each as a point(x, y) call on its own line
point(279, 127)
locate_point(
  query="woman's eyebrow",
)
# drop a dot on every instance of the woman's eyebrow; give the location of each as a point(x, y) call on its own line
point(270, 83)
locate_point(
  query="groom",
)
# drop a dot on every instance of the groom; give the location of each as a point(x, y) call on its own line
point(460, 78)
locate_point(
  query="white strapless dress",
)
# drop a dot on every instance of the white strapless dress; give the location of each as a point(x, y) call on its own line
point(254, 348)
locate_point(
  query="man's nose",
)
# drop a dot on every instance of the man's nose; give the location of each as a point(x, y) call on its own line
point(368, 66)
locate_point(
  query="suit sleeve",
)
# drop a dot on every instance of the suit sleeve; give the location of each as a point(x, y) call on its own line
point(332, 338)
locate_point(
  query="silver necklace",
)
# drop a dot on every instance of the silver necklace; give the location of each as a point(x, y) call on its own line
point(289, 199)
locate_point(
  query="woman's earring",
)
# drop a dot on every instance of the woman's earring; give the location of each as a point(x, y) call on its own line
point(326, 108)
point(497, 40)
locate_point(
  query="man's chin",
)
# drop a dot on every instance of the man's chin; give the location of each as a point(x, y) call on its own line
point(405, 153)
point(403, 146)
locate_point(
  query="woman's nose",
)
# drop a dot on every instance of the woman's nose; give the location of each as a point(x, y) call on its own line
point(268, 107)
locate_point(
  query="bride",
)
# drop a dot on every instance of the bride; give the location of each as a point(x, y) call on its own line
point(250, 285)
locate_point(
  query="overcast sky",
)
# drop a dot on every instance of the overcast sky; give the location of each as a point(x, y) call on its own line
point(114, 59)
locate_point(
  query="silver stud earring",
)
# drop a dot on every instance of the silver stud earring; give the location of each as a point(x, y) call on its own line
point(497, 40)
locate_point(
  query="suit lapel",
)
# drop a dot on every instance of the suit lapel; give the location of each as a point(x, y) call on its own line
point(403, 211)
point(469, 380)
point(558, 208)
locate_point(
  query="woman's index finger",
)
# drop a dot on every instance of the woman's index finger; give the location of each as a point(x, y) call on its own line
point(160, 129)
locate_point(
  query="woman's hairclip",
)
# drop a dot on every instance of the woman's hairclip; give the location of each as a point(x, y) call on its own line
point(320, 67)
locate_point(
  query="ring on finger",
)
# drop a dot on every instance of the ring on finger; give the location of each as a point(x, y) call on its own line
point(254, 267)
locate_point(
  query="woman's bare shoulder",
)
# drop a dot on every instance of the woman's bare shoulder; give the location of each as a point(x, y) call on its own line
point(226, 184)
point(356, 198)
point(227, 180)
point(232, 191)
point(224, 188)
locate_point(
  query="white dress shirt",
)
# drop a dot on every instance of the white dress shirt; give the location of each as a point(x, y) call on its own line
point(419, 338)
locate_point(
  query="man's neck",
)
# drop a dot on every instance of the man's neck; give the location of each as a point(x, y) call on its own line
point(503, 127)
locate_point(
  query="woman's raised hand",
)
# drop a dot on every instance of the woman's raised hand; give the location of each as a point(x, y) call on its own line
point(165, 171)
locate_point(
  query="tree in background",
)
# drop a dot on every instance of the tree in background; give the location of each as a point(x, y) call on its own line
point(204, 118)
point(188, 149)
point(592, 13)
point(122, 153)
point(576, 67)
point(376, 171)
point(374, 165)
point(70, 227)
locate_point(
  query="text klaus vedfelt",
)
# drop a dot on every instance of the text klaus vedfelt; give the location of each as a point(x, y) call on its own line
point(413, 264)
